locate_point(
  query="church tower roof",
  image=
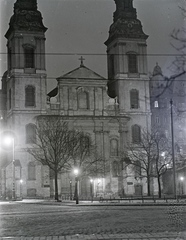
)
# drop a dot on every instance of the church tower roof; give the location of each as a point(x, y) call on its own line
point(124, 9)
point(26, 17)
point(126, 24)
point(157, 70)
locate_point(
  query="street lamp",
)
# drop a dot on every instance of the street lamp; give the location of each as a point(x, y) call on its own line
point(181, 184)
point(76, 172)
point(91, 189)
point(9, 140)
point(21, 182)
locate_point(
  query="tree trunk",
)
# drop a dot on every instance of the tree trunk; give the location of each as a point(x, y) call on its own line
point(56, 186)
point(148, 186)
point(159, 187)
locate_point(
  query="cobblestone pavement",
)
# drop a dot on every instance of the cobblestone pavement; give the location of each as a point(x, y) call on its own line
point(135, 236)
point(64, 221)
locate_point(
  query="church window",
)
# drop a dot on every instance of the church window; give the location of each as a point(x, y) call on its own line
point(136, 134)
point(85, 145)
point(112, 67)
point(137, 168)
point(157, 120)
point(115, 169)
point(30, 96)
point(134, 99)
point(83, 100)
point(9, 58)
point(30, 133)
point(31, 171)
point(156, 104)
point(10, 98)
point(113, 147)
point(132, 63)
point(29, 57)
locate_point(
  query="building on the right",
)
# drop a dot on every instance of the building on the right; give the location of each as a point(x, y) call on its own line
point(169, 94)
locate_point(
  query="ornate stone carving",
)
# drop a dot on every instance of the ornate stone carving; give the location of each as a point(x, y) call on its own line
point(26, 17)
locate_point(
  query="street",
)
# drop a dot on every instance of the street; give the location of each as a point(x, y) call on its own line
point(37, 219)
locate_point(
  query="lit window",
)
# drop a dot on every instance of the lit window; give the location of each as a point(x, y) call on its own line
point(134, 99)
point(30, 96)
point(156, 104)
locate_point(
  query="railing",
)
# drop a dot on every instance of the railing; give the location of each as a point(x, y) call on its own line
point(145, 199)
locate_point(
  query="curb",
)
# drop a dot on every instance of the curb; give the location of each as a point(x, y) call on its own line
point(81, 203)
point(131, 236)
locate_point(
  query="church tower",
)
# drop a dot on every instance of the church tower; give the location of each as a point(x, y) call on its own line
point(26, 81)
point(26, 78)
point(128, 80)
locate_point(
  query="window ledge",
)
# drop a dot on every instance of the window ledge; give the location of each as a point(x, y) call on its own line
point(29, 70)
point(133, 75)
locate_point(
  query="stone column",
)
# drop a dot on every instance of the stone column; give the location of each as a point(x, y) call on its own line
point(123, 149)
point(106, 153)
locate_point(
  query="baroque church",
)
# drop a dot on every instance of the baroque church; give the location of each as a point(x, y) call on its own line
point(112, 111)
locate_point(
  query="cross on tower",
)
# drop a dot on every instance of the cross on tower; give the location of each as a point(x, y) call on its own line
point(81, 59)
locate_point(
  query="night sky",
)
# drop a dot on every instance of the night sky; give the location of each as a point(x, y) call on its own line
point(80, 27)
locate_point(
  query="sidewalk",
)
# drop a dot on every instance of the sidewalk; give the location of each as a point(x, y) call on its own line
point(133, 236)
point(105, 203)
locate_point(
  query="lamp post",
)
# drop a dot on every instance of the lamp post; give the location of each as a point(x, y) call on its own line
point(70, 189)
point(21, 182)
point(91, 189)
point(76, 172)
point(10, 141)
point(173, 154)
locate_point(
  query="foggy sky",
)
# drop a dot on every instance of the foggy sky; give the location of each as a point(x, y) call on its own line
point(80, 27)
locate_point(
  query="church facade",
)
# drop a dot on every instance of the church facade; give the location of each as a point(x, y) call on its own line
point(112, 111)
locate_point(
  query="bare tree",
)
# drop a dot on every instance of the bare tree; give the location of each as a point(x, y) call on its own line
point(178, 41)
point(63, 148)
point(150, 157)
point(53, 144)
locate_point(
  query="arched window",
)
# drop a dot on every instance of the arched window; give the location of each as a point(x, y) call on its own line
point(31, 171)
point(9, 58)
point(132, 63)
point(83, 100)
point(10, 98)
point(30, 133)
point(136, 134)
point(134, 99)
point(85, 144)
point(113, 147)
point(29, 57)
point(115, 169)
point(156, 105)
point(137, 168)
point(112, 66)
point(30, 96)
